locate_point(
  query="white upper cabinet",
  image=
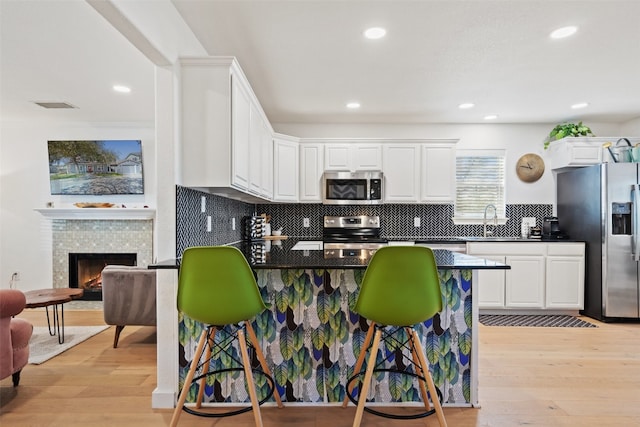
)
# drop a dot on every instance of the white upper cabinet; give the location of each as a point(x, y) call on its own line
point(352, 156)
point(226, 138)
point(266, 165)
point(255, 151)
point(438, 179)
point(311, 169)
point(337, 157)
point(401, 168)
point(285, 169)
point(420, 172)
point(367, 157)
point(581, 151)
point(227, 143)
point(241, 134)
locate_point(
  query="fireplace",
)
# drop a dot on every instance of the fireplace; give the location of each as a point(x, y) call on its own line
point(85, 270)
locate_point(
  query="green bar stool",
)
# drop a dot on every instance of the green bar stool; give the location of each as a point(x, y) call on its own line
point(400, 289)
point(216, 286)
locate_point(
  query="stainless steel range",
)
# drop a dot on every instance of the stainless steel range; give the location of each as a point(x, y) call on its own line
point(351, 236)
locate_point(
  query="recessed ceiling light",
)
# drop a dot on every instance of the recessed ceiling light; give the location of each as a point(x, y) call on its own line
point(563, 32)
point(491, 117)
point(466, 105)
point(580, 105)
point(375, 33)
point(121, 89)
point(353, 105)
point(54, 104)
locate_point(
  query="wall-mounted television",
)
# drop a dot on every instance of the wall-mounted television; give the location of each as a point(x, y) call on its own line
point(95, 168)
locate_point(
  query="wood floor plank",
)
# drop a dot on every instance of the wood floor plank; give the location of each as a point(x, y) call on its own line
point(547, 377)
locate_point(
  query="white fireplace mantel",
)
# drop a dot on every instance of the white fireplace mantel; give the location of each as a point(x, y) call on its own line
point(98, 213)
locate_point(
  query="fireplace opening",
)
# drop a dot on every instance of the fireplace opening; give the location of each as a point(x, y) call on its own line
point(85, 270)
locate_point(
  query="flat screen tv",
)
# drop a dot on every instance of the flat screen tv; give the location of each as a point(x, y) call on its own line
point(95, 167)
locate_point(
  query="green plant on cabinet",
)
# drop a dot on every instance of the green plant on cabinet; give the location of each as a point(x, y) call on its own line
point(567, 129)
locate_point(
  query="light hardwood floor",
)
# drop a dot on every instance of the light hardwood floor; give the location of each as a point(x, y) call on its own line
point(528, 376)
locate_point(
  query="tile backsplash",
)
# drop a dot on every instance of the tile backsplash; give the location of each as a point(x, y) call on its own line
point(191, 222)
point(396, 219)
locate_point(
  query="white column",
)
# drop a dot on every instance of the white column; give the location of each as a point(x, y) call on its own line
point(164, 396)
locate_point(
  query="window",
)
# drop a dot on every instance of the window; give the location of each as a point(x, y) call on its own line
point(480, 181)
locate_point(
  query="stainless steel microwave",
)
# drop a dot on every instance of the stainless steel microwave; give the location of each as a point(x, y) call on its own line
point(352, 188)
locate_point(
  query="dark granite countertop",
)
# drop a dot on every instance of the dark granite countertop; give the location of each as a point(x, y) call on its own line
point(479, 239)
point(281, 256)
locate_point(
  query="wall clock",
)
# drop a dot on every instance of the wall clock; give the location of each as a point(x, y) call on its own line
point(530, 167)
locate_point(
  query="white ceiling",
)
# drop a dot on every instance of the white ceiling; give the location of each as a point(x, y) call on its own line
point(306, 59)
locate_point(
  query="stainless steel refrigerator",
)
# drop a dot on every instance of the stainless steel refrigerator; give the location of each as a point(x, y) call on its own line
point(600, 205)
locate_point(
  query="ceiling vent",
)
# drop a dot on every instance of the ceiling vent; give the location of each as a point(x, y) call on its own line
point(54, 105)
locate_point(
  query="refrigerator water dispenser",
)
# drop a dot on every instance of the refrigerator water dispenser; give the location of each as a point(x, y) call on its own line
point(621, 218)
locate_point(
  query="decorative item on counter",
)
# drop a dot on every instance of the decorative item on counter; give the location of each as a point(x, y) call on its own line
point(276, 236)
point(567, 129)
point(93, 205)
point(535, 233)
point(255, 227)
point(258, 253)
point(525, 227)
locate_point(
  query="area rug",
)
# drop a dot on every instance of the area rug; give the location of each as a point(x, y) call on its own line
point(43, 346)
point(558, 321)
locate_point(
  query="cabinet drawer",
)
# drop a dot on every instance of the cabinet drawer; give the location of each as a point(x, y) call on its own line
point(565, 249)
point(500, 248)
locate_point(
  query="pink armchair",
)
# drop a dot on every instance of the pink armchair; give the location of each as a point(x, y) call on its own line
point(14, 335)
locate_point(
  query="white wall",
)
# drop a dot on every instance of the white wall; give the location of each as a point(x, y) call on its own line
point(25, 235)
point(516, 139)
point(630, 128)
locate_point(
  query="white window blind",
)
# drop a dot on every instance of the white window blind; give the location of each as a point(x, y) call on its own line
point(480, 181)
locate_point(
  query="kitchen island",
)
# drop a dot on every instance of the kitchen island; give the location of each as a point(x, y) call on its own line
point(310, 336)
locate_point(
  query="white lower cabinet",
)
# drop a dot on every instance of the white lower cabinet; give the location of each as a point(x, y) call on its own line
point(524, 282)
point(542, 276)
point(491, 293)
point(565, 276)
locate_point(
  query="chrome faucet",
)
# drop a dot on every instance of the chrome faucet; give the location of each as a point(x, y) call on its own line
point(484, 220)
